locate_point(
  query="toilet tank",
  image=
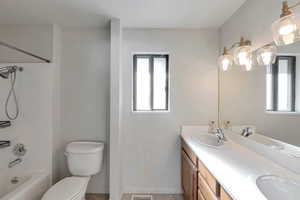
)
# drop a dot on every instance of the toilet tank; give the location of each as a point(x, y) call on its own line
point(84, 158)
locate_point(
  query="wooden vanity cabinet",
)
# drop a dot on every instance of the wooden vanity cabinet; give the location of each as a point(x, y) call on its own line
point(189, 177)
point(197, 182)
point(225, 195)
point(189, 172)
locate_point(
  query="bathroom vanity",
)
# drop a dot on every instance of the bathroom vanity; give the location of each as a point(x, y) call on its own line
point(232, 169)
point(197, 182)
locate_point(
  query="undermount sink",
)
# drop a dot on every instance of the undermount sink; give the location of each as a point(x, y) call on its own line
point(208, 140)
point(277, 188)
point(266, 141)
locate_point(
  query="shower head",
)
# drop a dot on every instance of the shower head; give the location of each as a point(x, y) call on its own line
point(5, 71)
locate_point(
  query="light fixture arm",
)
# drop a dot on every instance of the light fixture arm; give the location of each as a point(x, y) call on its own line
point(265, 45)
point(242, 42)
point(233, 45)
point(286, 9)
point(294, 6)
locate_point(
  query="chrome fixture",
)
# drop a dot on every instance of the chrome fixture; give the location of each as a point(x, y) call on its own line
point(14, 162)
point(4, 144)
point(10, 72)
point(247, 132)
point(19, 150)
point(5, 124)
point(6, 71)
point(220, 134)
point(14, 180)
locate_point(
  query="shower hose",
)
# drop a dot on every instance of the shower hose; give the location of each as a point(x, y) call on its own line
point(12, 78)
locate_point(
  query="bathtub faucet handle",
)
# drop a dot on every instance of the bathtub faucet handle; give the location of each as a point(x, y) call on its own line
point(4, 144)
point(14, 162)
point(19, 150)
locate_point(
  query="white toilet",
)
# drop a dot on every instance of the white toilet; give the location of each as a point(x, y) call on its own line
point(84, 160)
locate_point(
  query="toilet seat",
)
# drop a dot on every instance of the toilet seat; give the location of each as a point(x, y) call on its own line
point(71, 188)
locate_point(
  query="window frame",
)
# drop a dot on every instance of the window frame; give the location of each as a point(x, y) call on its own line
point(274, 72)
point(151, 57)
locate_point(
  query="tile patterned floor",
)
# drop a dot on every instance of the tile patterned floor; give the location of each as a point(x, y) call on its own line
point(128, 197)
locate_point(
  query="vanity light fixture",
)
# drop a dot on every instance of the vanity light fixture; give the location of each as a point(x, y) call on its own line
point(242, 56)
point(226, 60)
point(266, 55)
point(285, 30)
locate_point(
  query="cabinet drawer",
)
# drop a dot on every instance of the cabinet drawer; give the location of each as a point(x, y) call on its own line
point(210, 180)
point(189, 152)
point(224, 195)
point(200, 196)
point(207, 193)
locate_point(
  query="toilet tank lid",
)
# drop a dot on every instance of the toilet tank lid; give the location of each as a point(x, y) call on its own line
point(84, 147)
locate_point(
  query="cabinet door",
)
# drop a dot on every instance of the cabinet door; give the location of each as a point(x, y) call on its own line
point(224, 195)
point(189, 177)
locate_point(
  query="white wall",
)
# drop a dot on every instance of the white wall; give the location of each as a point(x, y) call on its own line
point(115, 114)
point(33, 128)
point(84, 95)
point(36, 39)
point(243, 93)
point(35, 91)
point(151, 142)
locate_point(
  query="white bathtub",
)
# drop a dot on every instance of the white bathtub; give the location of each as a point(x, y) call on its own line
point(29, 187)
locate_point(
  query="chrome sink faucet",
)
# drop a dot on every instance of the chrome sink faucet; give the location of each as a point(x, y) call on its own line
point(247, 132)
point(220, 134)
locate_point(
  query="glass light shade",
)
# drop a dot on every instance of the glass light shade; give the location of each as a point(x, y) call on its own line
point(243, 55)
point(285, 30)
point(266, 55)
point(248, 66)
point(225, 62)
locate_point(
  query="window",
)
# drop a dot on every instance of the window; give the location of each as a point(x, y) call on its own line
point(280, 84)
point(150, 82)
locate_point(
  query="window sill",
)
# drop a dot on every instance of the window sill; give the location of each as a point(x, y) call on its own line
point(282, 113)
point(151, 112)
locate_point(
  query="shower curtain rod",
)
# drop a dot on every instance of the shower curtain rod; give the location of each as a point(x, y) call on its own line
point(24, 52)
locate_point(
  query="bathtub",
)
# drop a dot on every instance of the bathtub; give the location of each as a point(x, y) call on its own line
point(25, 187)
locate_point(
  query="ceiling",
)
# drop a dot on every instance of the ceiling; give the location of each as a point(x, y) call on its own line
point(133, 13)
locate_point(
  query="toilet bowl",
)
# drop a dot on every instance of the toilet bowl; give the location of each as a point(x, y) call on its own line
point(84, 160)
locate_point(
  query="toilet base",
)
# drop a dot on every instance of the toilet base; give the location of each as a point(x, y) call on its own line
point(68, 188)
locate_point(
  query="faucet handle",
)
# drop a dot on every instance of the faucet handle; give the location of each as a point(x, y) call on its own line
point(19, 150)
point(247, 131)
point(4, 143)
point(219, 130)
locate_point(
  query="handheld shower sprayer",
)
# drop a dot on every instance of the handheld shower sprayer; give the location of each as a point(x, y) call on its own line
point(10, 72)
point(6, 71)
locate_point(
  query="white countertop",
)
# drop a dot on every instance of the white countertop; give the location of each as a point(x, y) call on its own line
point(235, 167)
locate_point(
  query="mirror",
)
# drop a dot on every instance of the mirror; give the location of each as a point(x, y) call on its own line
point(267, 98)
